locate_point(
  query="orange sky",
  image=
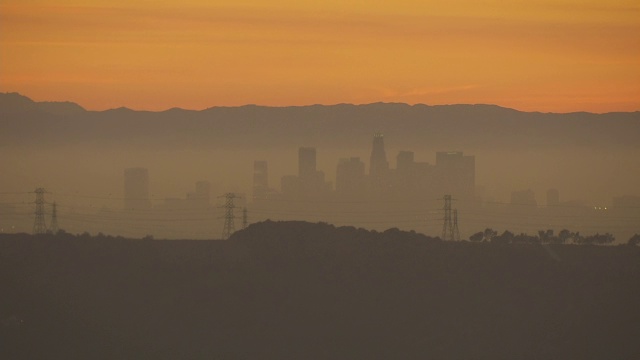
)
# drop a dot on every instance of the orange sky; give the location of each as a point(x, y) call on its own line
point(540, 55)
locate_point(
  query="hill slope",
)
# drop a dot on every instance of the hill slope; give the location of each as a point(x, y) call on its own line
point(299, 290)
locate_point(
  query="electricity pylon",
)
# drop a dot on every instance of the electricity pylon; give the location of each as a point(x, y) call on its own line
point(456, 231)
point(229, 217)
point(447, 228)
point(39, 226)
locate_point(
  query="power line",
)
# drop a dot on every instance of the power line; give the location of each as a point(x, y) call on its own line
point(370, 211)
point(334, 201)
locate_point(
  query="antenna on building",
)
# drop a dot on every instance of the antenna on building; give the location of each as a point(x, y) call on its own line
point(54, 219)
point(39, 226)
point(229, 217)
point(447, 228)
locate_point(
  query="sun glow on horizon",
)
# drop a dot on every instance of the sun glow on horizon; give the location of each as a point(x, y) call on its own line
point(557, 56)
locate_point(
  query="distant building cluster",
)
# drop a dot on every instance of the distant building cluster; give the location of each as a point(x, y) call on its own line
point(136, 193)
point(375, 195)
point(310, 182)
point(453, 173)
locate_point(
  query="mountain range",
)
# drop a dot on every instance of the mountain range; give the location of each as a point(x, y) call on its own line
point(26, 123)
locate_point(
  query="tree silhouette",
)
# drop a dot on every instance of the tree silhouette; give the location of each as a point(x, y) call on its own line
point(525, 239)
point(576, 238)
point(477, 236)
point(489, 234)
point(564, 235)
point(546, 236)
point(598, 239)
point(505, 238)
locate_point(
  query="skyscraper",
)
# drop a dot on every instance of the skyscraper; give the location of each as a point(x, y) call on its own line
point(306, 162)
point(310, 180)
point(404, 162)
point(350, 180)
point(379, 166)
point(260, 179)
point(136, 189)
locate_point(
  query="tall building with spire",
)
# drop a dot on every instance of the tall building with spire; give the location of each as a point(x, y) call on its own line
point(379, 166)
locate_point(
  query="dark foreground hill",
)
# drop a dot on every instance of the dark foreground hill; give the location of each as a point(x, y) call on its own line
point(296, 290)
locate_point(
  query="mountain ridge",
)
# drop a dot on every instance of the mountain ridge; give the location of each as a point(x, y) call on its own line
point(461, 126)
point(8, 97)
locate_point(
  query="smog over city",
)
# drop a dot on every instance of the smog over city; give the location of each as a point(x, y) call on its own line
point(336, 180)
point(376, 166)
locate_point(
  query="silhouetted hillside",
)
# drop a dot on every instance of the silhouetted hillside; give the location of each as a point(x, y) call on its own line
point(291, 290)
point(14, 103)
point(342, 126)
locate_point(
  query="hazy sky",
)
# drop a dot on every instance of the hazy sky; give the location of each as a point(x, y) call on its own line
point(561, 55)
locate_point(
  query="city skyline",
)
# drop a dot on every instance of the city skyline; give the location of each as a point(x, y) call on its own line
point(405, 194)
point(588, 158)
point(560, 56)
point(338, 179)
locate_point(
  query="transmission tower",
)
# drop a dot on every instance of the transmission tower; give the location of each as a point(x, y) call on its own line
point(447, 228)
point(39, 226)
point(53, 228)
point(245, 218)
point(229, 217)
point(456, 231)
